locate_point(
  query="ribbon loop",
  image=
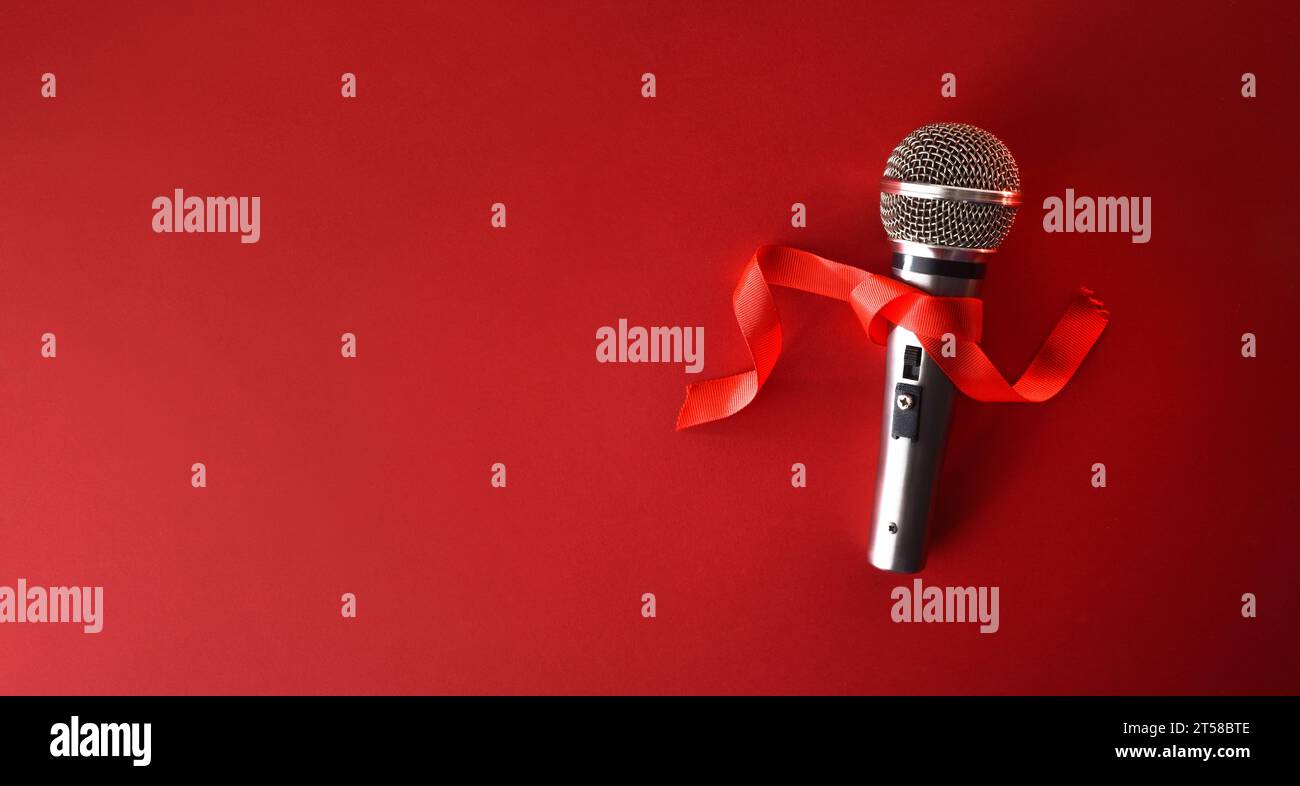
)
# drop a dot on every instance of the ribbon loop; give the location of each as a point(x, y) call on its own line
point(880, 303)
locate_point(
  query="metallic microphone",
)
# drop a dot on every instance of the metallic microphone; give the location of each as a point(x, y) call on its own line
point(947, 199)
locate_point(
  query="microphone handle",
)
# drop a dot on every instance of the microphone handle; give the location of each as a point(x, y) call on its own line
point(918, 400)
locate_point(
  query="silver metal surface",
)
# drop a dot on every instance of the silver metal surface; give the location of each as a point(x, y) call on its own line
point(907, 472)
point(891, 185)
point(920, 250)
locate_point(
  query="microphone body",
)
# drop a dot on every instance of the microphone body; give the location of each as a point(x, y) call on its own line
point(948, 197)
point(918, 401)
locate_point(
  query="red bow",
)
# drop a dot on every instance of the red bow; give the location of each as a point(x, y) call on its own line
point(880, 302)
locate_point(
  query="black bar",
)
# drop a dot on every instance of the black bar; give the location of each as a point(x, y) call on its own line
point(938, 267)
point(617, 736)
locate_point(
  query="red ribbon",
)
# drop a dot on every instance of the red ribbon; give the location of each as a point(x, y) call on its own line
point(879, 303)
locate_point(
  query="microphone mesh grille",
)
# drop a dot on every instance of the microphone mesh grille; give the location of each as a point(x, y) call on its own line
point(950, 154)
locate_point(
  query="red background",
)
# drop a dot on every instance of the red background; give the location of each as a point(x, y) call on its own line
point(477, 345)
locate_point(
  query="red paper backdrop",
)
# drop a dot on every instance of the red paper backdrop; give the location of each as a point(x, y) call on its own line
point(477, 345)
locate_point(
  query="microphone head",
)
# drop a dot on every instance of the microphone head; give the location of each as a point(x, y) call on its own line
point(952, 185)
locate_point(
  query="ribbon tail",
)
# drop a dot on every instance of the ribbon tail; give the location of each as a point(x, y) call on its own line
point(876, 300)
point(715, 399)
point(1060, 356)
point(760, 324)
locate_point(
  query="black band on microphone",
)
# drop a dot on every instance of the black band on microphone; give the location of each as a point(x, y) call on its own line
point(938, 267)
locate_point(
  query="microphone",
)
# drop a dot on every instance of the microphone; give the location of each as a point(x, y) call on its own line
point(947, 199)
